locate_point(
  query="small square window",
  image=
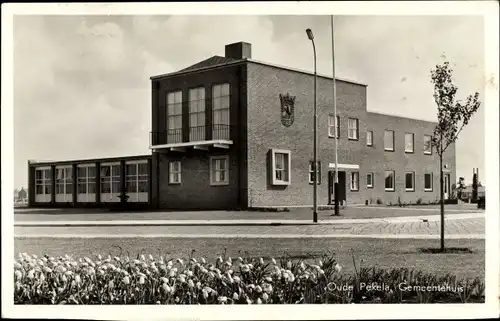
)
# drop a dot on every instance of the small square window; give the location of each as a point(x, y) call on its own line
point(428, 182)
point(369, 138)
point(389, 181)
point(219, 170)
point(369, 180)
point(409, 139)
point(354, 181)
point(280, 167)
point(410, 181)
point(311, 173)
point(389, 140)
point(174, 172)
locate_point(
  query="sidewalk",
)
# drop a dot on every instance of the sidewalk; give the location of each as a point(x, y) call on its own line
point(244, 222)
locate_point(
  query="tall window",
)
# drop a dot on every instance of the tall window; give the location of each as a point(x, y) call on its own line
point(86, 181)
point(428, 144)
point(409, 142)
point(369, 138)
point(64, 184)
point(197, 114)
point(43, 184)
point(352, 124)
point(219, 168)
point(333, 126)
point(311, 172)
point(137, 180)
point(428, 182)
point(354, 181)
point(369, 180)
point(410, 181)
point(220, 107)
point(174, 172)
point(389, 180)
point(280, 167)
point(174, 117)
point(389, 140)
point(110, 178)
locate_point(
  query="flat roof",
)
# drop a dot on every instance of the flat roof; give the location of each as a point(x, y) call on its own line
point(87, 160)
point(241, 61)
point(400, 116)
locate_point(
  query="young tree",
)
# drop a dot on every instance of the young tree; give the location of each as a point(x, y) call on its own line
point(453, 116)
point(474, 188)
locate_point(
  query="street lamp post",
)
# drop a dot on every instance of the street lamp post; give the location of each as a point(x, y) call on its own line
point(315, 154)
point(336, 184)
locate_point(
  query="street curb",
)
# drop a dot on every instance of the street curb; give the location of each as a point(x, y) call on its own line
point(389, 220)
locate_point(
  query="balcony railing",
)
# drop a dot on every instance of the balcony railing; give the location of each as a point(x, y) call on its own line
point(195, 134)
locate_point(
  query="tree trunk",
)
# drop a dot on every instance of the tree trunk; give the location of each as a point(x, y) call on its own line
point(441, 192)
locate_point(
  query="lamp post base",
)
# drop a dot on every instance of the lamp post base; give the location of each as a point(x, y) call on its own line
point(336, 195)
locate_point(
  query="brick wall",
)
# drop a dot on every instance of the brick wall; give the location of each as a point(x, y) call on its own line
point(265, 132)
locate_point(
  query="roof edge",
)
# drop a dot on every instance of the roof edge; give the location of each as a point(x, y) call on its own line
point(177, 73)
point(399, 116)
point(32, 162)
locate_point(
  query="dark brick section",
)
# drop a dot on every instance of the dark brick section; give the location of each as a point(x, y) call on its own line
point(266, 132)
point(195, 190)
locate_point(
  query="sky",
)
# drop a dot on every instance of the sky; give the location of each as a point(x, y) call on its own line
point(82, 88)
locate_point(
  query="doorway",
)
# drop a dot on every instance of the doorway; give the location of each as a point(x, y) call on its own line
point(342, 187)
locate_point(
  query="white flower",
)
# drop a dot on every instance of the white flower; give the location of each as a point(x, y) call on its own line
point(268, 288)
point(34, 256)
point(203, 261)
point(223, 299)
point(126, 280)
point(251, 286)
point(205, 293)
point(190, 284)
point(230, 271)
point(229, 264)
point(269, 279)
point(151, 257)
point(321, 272)
point(265, 296)
point(73, 283)
point(137, 262)
point(259, 301)
point(194, 260)
point(171, 273)
point(236, 279)
point(165, 287)
point(289, 264)
point(261, 261)
point(236, 297)
point(182, 278)
point(99, 257)
point(273, 261)
point(64, 278)
point(141, 280)
point(258, 289)
point(219, 259)
point(47, 270)
point(240, 259)
point(250, 266)
point(302, 265)
point(18, 274)
point(41, 278)
point(17, 265)
point(198, 285)
point(189, 273)
point(245, 268)
point(338, 267)
point(117, 259)
point(143, 258)
point(229, 259)
point(180, 261)
point(211, 274)
point(31, 274)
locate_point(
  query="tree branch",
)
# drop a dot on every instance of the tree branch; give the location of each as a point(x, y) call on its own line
point(454, 138)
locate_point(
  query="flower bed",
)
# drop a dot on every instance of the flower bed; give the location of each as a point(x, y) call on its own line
point(149, 280)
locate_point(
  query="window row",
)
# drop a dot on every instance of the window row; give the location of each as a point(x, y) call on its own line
point(281, 171)
point(136, 175)
point(218, 169)
point(389, 138)
point(196, 108)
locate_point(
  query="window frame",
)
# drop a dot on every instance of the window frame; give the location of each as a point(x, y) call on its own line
point(369, 133)
point(407, 151)
point(223, 132)
point(114, 180)
point(213, 170)
point(311, 172)
point(172, 173)
point(431, 181)
point(138, 177)
point(356, 121)
point(335, 126)
point(43, 181)
point(288, 170)
point(87, 180)
point(393, 140)
point(65, 180)
point(199, 105)
point(412, 189)
point(428, 152)
point(393, 188)
point(372, 180)
point(351, 176)
point(177, 138)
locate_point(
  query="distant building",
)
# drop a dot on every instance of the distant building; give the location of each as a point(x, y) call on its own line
point(467, 192)
point(233, 132)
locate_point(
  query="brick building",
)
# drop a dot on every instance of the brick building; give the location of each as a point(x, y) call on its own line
point(233, 132)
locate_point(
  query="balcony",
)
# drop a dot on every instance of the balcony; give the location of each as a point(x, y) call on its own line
point(199, 137)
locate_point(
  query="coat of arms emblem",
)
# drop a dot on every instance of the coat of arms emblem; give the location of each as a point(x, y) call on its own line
point(287, 109)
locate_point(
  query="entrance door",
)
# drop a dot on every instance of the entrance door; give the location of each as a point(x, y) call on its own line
point(446, 186)
point(342, 186)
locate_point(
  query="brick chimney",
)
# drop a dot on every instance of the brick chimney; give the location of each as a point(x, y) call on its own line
point(239, 50)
